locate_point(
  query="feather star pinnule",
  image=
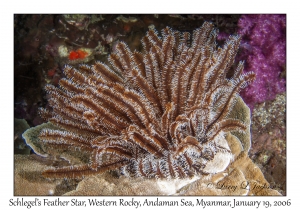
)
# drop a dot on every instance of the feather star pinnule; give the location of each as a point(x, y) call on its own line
point(161, 113)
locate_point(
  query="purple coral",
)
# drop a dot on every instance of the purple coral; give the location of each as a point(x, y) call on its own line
point(263, 47)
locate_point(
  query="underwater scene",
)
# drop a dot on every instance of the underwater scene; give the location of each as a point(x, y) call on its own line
point(151, 104)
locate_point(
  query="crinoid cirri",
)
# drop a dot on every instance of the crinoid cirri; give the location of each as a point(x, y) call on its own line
point(161, 113)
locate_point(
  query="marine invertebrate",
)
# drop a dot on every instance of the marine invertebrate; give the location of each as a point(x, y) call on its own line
point(161, 113)
point(263, 47)
point(77, 54)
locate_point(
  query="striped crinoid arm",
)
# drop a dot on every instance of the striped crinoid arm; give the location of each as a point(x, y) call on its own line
point(141, 73)
point(81, 171)
point(222, 104)
point(159, 62)
point(101, 103)
point(225, 126)
point(65, 139)
point(212, 68)
point(222, 60)
point(195, 60)
point(65, 114)
point(109, 149)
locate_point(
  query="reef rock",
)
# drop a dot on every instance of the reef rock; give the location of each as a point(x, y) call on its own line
point(29, 181)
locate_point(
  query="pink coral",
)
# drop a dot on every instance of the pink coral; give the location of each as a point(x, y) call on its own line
point(263, 48)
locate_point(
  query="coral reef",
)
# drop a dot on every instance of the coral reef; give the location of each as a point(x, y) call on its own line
point(233, 181)
point(161, 113)
point(263, 47)
point(241, 177)
point(43, 44)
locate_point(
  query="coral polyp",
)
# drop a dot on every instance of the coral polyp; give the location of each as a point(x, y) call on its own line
point(162, 113)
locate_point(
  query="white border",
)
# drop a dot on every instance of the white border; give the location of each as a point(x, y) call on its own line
point(8, 9)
